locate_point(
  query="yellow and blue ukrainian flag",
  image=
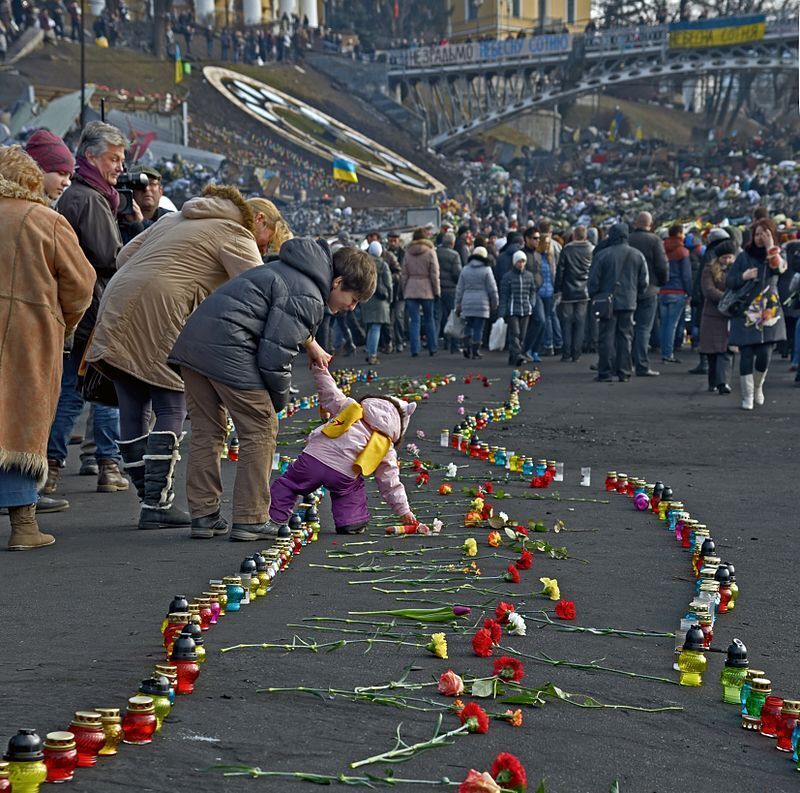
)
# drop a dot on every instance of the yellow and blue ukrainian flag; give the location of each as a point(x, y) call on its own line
point(344, 170)
point(178, 65)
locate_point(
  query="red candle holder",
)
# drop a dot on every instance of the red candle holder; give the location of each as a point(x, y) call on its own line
point(184, 657)
point(206, 613)
point(770, 716)
point(87, 727)
point(175, 624)
point(139, 722)
point(60, 756)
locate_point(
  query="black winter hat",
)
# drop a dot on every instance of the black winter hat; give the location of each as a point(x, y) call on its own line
point(723, 247)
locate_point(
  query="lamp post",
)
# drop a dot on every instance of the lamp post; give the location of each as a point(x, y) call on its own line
point(83, 64)
point(477, 5)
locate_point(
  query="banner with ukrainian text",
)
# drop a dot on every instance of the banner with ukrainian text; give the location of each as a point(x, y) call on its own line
point(719, 32)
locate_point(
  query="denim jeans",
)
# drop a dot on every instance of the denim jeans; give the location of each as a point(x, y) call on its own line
point(70, 405)
point(474, 329)
point(536, 328)
point(643, 318)
point(671, 307)
point(796, 348)
point(552, 327)
point(373, 338)
point(413, 306)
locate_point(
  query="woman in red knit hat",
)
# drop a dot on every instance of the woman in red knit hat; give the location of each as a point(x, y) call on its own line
point(54, 158)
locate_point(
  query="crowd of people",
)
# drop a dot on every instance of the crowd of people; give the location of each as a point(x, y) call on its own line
point(150, 312)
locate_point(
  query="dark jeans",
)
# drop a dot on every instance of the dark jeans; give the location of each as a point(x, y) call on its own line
point(719, 369)
point(754, 356)
point(137, 400)
point(536, 328)
point(473, 333)
point(517, 330)
point(399, 334)
point(643, 319)
point(615, 338)
point(573, 322)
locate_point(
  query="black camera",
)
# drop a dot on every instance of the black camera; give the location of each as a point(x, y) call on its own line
point(126, 184)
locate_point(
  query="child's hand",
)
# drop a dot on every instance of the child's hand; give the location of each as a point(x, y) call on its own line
point(317, 356)
point(409, 519)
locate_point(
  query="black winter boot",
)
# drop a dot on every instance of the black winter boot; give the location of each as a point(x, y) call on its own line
point(160, 459)
point(132, 453)
point(475, 348)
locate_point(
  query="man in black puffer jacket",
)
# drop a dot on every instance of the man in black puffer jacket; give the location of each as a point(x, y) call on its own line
point(236, 352)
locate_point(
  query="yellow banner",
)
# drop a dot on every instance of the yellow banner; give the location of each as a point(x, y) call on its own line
point(716, 37)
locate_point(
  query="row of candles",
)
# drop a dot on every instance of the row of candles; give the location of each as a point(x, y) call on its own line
point(29, 761)
point(715, 593)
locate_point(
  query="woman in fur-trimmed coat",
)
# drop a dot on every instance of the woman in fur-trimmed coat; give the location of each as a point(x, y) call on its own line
point(45, 286)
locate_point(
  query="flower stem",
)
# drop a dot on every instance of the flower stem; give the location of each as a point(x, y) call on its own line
point(403, 751)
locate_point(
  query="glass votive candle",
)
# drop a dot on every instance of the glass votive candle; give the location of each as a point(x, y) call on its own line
point(60, 756)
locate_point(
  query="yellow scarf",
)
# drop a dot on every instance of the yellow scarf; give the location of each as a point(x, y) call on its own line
point(377, 446)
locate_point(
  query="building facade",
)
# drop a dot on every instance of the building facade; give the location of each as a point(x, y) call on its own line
point(501, 18)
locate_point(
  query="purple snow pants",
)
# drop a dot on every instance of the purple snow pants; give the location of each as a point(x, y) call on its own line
point(306, 474)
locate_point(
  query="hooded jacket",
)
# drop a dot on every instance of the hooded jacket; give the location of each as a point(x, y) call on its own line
point(419, 276)
point(620, 270)
point(166, 273)
point(652, 247)
point(449, 269)
point(476, 294)
point(680, 268)
point(248, 332)
point(340, 453)
point(45, 286)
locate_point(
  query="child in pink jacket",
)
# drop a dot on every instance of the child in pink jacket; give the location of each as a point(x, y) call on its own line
point(357, 441)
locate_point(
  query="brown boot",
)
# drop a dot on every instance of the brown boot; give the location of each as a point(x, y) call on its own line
point(109, 478)
point(25, 534)
point(53, 475)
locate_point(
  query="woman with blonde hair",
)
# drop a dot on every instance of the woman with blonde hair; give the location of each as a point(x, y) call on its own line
point(45, 286)
point(165, 273)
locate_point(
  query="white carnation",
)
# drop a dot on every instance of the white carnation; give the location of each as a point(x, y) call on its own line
point(516, 624)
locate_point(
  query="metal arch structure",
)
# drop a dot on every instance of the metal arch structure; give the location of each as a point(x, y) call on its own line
point(460, 99)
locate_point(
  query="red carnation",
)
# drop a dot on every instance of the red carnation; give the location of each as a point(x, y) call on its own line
point(512, 574)
point(522, 530)
point(508, 668)
point(474, 716)
point(422, 478)
point(502, 611)
point(509, 773)
point(565, 610)
point(488, 487)
point(525, 561)
point(482, 643)
point(417, 464)
point(494, 629)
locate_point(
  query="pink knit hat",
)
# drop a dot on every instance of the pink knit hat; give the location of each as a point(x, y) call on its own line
point(50, 152)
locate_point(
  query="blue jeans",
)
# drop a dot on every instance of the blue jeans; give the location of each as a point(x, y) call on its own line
point(671, 307)
point(413, 306)
point(552, 327)
point(373, 338)
point(796, 350)
point(70, 405)
point(474, 329)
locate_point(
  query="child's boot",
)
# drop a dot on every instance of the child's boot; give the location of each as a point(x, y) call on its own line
point(354, 528)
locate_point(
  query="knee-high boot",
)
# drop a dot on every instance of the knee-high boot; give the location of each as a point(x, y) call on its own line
point(160, 459)
point(132, 453)
point(748, 389)
point(758, 386)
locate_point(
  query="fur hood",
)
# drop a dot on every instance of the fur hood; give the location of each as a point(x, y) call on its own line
point(220, 201)
point(423, 245)
point(9, 189)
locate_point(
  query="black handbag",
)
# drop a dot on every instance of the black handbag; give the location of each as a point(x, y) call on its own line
point(734, 302)
point(93, 385)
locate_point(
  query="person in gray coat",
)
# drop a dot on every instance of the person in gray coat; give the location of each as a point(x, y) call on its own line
point(643, 239)
point(476, 298)
point(618, 271)
point(572, 294)
point(449, 271)
point(375, 313)
point(236, 352)
point(517, 296)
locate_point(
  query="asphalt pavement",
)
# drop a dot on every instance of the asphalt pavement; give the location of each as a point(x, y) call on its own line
point(80, 621)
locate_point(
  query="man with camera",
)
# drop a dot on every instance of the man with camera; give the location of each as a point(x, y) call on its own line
point(141, 191)
point(90, 205)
